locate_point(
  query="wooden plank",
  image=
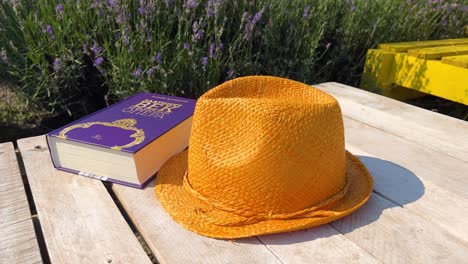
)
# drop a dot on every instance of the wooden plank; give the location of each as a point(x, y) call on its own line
point(460, 61)
point(173, 244)
point(402, 76)
point(394, 235)
point(18, 242)
point(405, 46)
point(431, 77)
point(321, 244)
point(379, 74)
point(79, 219)
point(453, 144)
point(433, 53)
point(442, 170)
point(417, 115)
point(408, 187)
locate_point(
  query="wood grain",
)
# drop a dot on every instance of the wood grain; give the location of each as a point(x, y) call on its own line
point(431, 130)
point(322, 244)
point(442, 170)
point(409, 189)
point(395, 235)
point(417, 115)
point(18, 242)
point(79, 220)
point(173, 244)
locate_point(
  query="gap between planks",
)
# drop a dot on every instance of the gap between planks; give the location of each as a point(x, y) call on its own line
point(173, 244)
point(18, 241)
point(36, 220)
point(32, 207)
point(79, 219)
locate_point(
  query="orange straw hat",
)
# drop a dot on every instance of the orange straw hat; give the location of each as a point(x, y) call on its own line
point(266, 155)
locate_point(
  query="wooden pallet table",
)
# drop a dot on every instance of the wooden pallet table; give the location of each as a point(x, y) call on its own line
point(411, 69)
point(418, 212)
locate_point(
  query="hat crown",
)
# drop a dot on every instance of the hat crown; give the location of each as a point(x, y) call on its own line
point(267, 145)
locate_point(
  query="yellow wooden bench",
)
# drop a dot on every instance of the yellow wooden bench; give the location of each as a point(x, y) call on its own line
point(407, 70)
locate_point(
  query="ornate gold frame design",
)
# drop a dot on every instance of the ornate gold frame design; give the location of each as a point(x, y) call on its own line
point(127, 124)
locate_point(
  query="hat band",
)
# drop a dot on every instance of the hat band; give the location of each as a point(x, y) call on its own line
point(241, 218)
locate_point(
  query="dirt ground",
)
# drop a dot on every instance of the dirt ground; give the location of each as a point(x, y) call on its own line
point(17, 120)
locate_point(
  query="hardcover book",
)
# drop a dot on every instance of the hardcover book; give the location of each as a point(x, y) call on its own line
point(127, 142)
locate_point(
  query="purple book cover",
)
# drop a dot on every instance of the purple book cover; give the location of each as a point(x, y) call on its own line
point(130, 124)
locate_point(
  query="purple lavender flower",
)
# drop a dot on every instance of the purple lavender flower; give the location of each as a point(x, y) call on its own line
point(210, 8)
point(94, 4)
point(250, 24)
point(96, 49)
point(141, 10)
point(352, 8)
point(245, 15)
point(98, 61)
point(120, 17)
point(220, 47)
point(112, 3)
point(59, 9)
point(191, 4)
point(212, 53)
point(57, 65)
point(204, 61)
point(248, 29)
point(257, 17)
point(158, 58)
point(306, 11)
point(464, 8)
point(195, 26)
point(230, 74)
point(126, 40)
point(186, 46)
point(199, 34)
point(150, 71)
point(50, 31)
point(137, 73)
point(3, 56)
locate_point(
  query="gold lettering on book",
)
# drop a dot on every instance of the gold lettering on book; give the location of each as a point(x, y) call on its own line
point(126, 124)
point(97, 136)
point(152, 108)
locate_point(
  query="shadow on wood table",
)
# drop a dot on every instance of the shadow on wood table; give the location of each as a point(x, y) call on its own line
point(393, 178)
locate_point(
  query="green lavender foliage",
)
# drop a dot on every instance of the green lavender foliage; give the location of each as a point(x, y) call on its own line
point(64, 54)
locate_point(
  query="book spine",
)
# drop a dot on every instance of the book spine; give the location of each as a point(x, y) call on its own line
point(102, 178)
point(52, 158)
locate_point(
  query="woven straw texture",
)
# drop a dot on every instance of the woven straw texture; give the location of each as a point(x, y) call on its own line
point(266, 155)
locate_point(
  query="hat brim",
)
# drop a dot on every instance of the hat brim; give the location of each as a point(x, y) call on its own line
point(185, 209)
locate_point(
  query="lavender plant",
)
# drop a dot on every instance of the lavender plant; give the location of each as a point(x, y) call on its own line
point(65, 54)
